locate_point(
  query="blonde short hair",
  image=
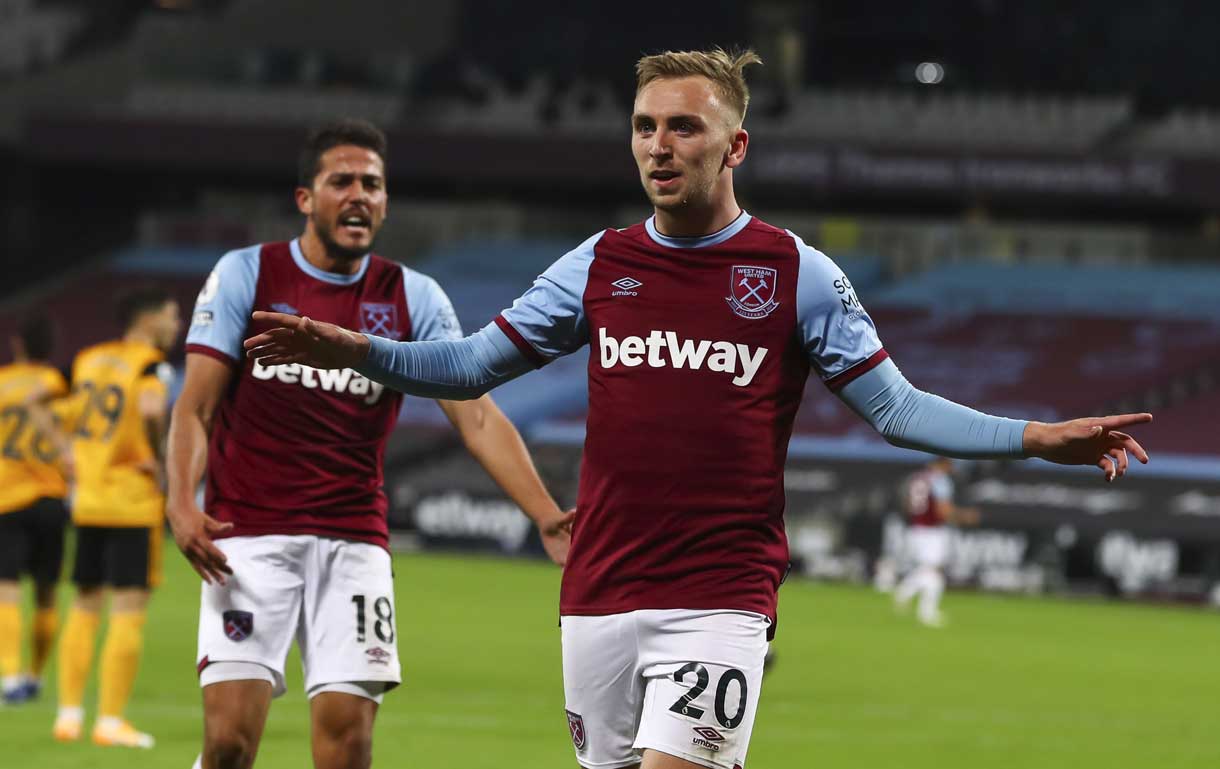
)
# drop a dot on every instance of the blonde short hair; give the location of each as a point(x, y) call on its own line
point(722, 67)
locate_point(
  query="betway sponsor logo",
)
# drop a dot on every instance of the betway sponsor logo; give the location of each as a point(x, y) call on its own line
point(1137, 563)
point(328, 380)
point(457, 515)
point(1054, 495)
point(663, 348)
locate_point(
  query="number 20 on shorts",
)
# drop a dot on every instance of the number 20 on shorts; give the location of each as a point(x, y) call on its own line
point(684, 705)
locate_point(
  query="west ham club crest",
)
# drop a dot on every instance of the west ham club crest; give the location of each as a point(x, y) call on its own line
point(239, 625)
point(379, 319)
point(752, 291)
point(576, 725)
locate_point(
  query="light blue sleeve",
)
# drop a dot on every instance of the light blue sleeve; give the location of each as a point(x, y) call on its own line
point(550, 316)
point(459, 369)
point(914, 419)
point(222, 310)
point(835, 330)
point(547, 321)
point(432, 316)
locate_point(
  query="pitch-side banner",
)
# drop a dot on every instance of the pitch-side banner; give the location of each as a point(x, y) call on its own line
point(1039, 528)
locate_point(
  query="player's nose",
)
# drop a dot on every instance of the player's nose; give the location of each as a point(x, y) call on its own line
point(660, 143)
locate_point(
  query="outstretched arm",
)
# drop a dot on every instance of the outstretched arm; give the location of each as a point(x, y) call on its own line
point(914, 419)
point(547, 321)
point(496, 444)
point(462, 369)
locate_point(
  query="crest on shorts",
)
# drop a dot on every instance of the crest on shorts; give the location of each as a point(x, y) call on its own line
point(576, 725)
point(752, 291)
point(377, 656)
point(239, 625)
point(708, 738)
point(379, 319)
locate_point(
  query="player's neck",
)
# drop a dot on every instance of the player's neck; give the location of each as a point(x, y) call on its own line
point(692, 223)
point(140, 336)
point(316, 253)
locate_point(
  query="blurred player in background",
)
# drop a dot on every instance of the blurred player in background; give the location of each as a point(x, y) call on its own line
point(704, 323)
point(294, 495)
point(930, 512)
point(117, 418)
point(32, 512)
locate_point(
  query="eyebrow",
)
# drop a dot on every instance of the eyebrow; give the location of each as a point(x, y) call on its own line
point(672, 118)
point(353, 175)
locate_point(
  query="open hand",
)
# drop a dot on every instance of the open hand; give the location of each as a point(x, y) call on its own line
point(193, 532)
point(1089, 441)
point(301, 340)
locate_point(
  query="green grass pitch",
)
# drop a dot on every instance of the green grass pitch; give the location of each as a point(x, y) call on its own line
point(1011, 683)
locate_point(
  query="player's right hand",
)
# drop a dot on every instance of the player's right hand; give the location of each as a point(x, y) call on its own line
point(193, 532)
point(556, 536)
point(301, 340)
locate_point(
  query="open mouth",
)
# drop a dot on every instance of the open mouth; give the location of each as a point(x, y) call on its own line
point(664, 178)
point(355, 223)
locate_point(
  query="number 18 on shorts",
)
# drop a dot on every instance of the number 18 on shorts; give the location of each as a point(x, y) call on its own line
point(681, 682)
point(335, 598)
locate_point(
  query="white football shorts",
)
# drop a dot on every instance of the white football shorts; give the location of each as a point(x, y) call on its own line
point(334, 596)
point(679, 681)
point(928, 545)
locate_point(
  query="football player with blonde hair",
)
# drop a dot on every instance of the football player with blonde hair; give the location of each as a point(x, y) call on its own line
point(703, 324)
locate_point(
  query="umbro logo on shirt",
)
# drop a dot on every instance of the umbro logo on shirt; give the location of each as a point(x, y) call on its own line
point(626, 287)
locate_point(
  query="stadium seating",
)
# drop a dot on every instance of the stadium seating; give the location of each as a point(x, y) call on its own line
point(1188, 132)
point(954, 119)
point(32, 37)
point(1036, 341)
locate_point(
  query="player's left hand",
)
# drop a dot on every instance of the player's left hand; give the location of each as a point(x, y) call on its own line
point(1088, 441)
point(301, 340)
point(556, 536)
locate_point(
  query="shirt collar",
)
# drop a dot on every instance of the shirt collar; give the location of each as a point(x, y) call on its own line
point(700, 241)
point(337, 278)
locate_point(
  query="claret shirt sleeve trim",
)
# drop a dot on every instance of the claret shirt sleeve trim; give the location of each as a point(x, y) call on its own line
point(550, 316)
point(841, 380)
point(525, 347)
point(836, 332)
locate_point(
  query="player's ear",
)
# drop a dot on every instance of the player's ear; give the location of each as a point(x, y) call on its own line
point(738, 143)
point(304, 198)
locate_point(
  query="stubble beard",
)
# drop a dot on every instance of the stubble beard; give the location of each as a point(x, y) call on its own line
point(336, 249)
point(693, 196)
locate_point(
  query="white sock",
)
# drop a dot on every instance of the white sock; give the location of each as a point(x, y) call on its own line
point(12, 682)
point(198, 762)
point(109, 722)
point(932, 587)
point(907, 588)
point(885, 575)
